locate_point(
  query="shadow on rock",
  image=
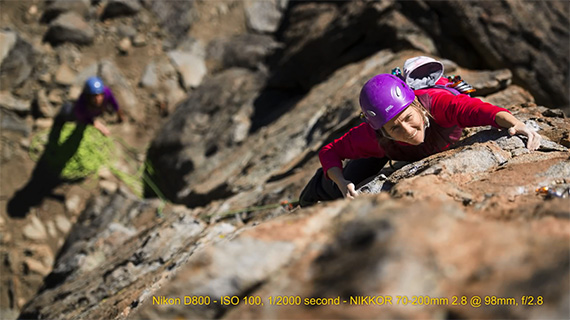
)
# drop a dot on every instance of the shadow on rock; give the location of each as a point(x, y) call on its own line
point(483, 136)
point(47, 173)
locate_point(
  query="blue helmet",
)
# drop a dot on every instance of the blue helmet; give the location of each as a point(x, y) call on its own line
point(94, 85)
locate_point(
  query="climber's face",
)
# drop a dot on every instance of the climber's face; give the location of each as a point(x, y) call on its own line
point(408, 126)
point(96, 100)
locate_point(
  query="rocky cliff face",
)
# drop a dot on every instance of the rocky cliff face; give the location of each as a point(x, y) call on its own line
point(230, 101)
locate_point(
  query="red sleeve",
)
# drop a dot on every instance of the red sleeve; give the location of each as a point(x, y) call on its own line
point(358, 142)
point(461, 110)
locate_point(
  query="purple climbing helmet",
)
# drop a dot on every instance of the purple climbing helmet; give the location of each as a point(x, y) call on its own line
point(383, 97)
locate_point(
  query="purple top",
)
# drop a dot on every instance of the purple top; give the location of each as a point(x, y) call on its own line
point(85, 114)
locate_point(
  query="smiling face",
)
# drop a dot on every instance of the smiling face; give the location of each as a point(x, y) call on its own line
point(408, 126)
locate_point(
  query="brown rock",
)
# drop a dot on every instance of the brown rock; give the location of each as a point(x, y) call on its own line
point(139, 40)
point(65, 75)
point(35, 230)
point(55, 96)
point(45, 107)
point(37, 267)
point(124, 46)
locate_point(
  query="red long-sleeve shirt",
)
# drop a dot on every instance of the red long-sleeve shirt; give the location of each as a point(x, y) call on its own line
point(450, 114)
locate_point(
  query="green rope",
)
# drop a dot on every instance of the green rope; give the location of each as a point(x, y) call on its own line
point(76, 154)
point(95, 150)
point(79, 155)
point(289, 204)
point(143, 175)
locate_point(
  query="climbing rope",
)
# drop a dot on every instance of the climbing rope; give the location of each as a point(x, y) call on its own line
point(288, 205)
point(92, 151)
point(76, 159)
point(95, 151)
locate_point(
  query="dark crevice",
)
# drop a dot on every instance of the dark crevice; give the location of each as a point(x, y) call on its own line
point(193, 200)
point(29, 315)
point(270, 105)
point(211, 150)
point(117, 266)
point(62, 295)
point(54, 279)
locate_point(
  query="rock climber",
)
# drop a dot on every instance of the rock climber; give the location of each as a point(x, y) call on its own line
point(96, 99)
point(401, 124)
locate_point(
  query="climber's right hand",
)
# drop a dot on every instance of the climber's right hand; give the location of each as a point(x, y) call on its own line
point(348, 189)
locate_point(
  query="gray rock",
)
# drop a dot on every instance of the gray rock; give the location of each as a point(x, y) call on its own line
point(174, 16)
point(124, 46)
point(9, 313)
point(11, 103)
point(241, 125)
point(192, 46)
point(7, 42)
point(321, 37)
point(85, 73)
point(69, 27)
point(10, 122)
point(45, 77)
point(510, 143)
point(547, 145)
point(65, 76)
point(43, 123)
point(518, 152)
point(161, 79)
point(191, 68)
point(74, 92)
point(108, 187)
point(245, 51)
point(72, 204)
point(51, 229)
point(62, 224)
point(488, 82)
point(470, 160)
point(376, 185)
point(35, 230)
point(45, 108)
point(559, 170)
point(139, 40)
point(150, 77)
point(511, 95)
point(506, 34)
point(55, 96)
point(227, 268)
point(190, 127)
point(449, 66)
point(556, 113)
point(264, 16)
point(18, 66)
point(174, 94)
point(57, 7)
point(116, 8)
point(126, 31)
point(37, 267)
point(112, 77)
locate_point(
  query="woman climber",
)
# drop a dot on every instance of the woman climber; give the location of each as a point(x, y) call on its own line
point(401, 124)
